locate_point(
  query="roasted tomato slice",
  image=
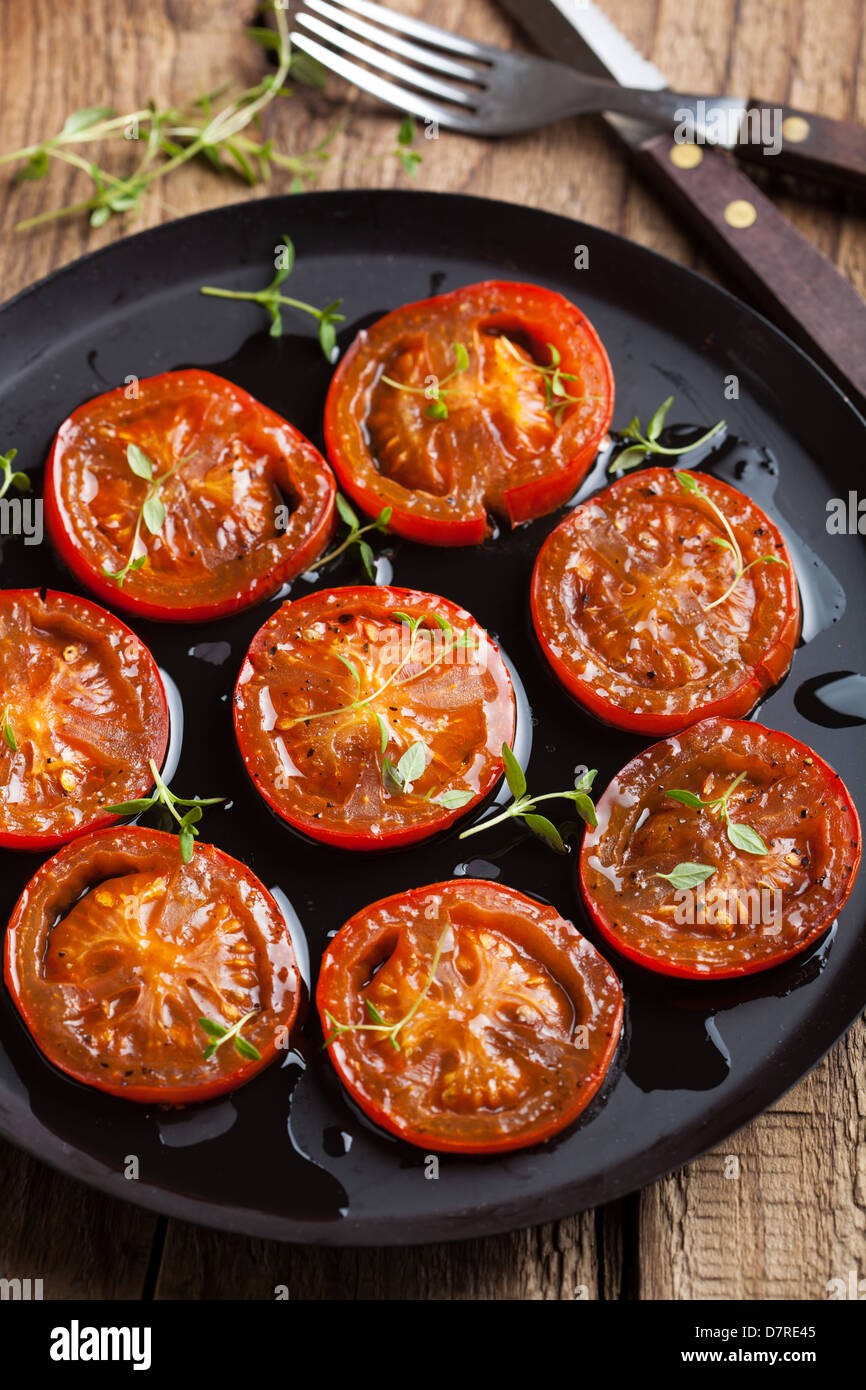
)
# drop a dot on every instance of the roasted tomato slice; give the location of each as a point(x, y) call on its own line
point(510, 445)
point(83, 710)
point(635, 603)
point(510, 1016)
point(373, 717)
point(752, 909)
point(250, 505)
point(117, 949)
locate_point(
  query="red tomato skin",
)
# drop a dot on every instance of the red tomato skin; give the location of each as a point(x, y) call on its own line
point(525, 502)
point(145, 1095)
point(735, 971)
point(735, 705)
point(507, 1143)
point(118, 596)
point(40, 843)
point(354, 840)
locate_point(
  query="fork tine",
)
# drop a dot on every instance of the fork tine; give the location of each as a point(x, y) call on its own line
point(436, 60)
point(419, 29)
point(404, 100)
point(383, 62)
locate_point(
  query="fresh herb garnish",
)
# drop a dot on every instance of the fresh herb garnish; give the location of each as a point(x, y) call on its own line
point(356, 536)
point(688, 875)
point(390, 1030)
point(221, 1034)
point(436, 388)
point(726, 542)
point(741, 836)
point(188, 822)
point(556, 396)
point(523, 805)
point(409, 158)
point(411, 766)
point(19, 481)
point(648, 443)
point(152, 510)
point(453, 640)
point(274, 302)
point(9, 733)
point(174, 135)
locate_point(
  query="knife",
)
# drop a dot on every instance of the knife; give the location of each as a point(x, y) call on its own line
point(786, 276)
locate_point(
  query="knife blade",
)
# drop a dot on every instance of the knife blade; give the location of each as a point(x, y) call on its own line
point(783, 272)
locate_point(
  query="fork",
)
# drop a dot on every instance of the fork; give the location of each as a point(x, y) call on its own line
point(476, 88)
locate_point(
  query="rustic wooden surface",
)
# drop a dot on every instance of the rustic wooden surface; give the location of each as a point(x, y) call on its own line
point(781, 1208)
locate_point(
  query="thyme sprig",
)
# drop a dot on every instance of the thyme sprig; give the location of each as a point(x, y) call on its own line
point(435, 388)
point(221, 1034)
point(274, 302)
point(726, 542)
point(163, 796)
point(648, 443)
point(356, 535)
point(453, 641)
point(556, 396)
point(19, 481)
point(173, 136)
point(412, 764)
point(378, 1025)
point(523, 806)
point(152, 509)
point(740, 836)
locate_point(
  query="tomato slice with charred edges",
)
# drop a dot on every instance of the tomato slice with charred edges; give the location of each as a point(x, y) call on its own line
point(116, 950)
point(507, 447)
point(626, 603)
point(512, 1017)
point(83, 710)
point(753, 910)
point(250, 506)
point(338, 689)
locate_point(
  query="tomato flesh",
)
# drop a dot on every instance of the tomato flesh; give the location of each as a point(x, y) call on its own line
point(501, 451)
point(250, 506)
point(509, 1043)
point(84, 706)
point(116, 949)
point(352, 651)
point(622, 596)
point(758, 909)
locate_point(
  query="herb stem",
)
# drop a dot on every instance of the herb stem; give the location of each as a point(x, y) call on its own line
point(351, 539)
point(262, 297)
point(392, 1030)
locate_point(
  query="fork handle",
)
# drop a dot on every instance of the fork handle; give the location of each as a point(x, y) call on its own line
point(785, 140)
point(788, 277)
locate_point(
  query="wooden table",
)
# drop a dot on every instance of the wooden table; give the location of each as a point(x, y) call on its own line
point(794, 1217)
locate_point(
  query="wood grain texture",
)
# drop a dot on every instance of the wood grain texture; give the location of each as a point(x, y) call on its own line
point(557, 1261)
point(795, 1216)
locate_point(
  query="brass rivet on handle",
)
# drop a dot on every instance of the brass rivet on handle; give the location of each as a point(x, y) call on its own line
point(686, 156)
point(740, 213)
point(796, 129)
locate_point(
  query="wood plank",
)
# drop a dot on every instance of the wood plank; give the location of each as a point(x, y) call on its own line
point(80, 1243)
point(557, 1261)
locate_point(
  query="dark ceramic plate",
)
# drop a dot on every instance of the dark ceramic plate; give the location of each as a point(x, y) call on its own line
point(288, 1156)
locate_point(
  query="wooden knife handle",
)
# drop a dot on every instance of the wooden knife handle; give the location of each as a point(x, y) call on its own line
point(785, 274)
point(787, 141)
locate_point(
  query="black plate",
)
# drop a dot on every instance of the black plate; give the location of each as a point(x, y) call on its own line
point(287, 1156)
